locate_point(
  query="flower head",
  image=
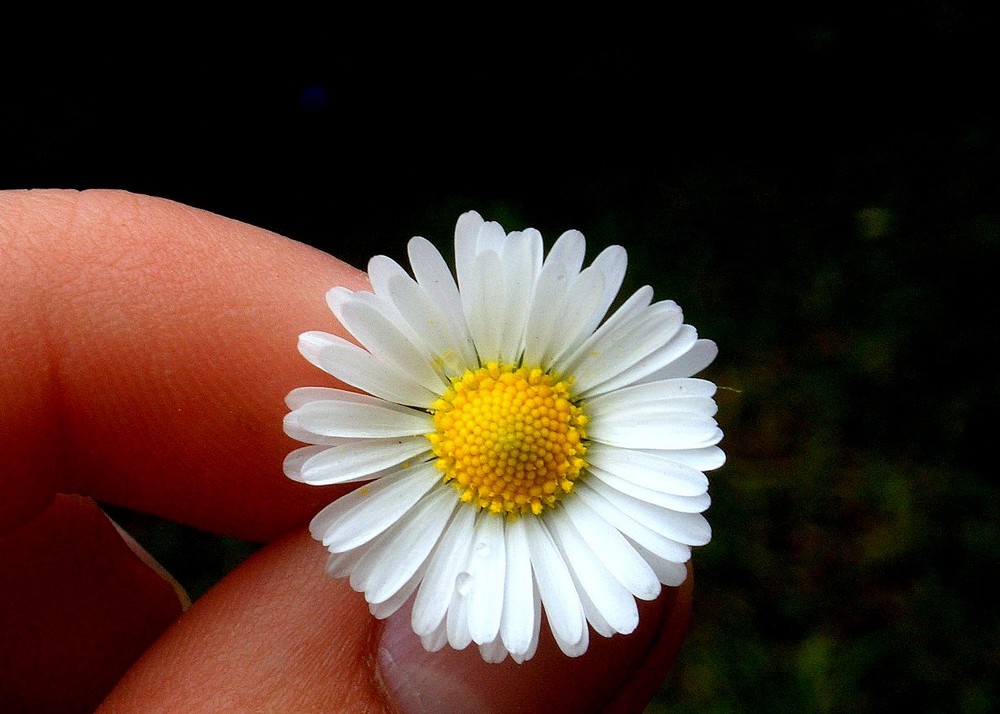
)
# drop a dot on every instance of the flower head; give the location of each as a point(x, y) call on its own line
point(524, 454)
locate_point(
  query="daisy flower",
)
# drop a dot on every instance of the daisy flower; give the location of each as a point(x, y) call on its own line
point(523, 454)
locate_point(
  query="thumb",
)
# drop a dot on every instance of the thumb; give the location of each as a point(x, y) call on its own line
point(278, 635)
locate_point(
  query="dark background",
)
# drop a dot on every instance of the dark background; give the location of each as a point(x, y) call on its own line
point(818, 189)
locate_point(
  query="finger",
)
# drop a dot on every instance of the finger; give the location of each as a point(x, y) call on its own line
point(148, 349)
point(77, 608)
point(276, 635)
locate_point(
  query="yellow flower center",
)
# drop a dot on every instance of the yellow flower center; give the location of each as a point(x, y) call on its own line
point(509, 439)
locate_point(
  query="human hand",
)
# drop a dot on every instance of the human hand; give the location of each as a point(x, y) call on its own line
point(148, 347)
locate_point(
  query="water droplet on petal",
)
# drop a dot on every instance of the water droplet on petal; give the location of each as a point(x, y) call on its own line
point(463, 583)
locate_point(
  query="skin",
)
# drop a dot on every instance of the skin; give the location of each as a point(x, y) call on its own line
point(148, 347)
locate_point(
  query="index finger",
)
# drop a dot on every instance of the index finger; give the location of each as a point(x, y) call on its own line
point(149, 346)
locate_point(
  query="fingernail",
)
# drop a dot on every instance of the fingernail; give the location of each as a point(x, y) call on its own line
point(460, 681)
point(153, 564)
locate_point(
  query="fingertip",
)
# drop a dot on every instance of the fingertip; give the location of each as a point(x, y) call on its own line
point(618, 674)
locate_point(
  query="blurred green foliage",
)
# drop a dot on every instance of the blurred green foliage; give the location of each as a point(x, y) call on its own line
point(856, 521)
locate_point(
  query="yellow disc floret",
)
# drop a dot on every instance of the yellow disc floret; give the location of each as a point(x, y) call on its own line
point(509, 439)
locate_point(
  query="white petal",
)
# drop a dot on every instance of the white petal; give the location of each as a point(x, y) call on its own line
point(690, 406)
point(436, 639)
point(361, 369)
point(340, 565)
point(311, 343)
point(651, 471)
point(459, 636)
point(389, 606)
point(434, 277)
point(481, 295)
point(368, 511)
point(292, 465)
point(703, 459)
point(517, 621)
point(582, 311)
point(599, 360)
point(300, 396)
point(575, 649)
point(547, 305)
point(370, 476)
point(358, 460)
point(536, 628)
point(687, 528)
point(381, 270)
point(337, 297)
point(555, 585)
point(671, 501)
point(537, 250)
point(349, 419)
point(305, 395)
point(613, 550)
point(487, 566)
point(637, 531)
point(636, 304)
point(596, 297)
point(592, 612)
point(297, 432)
point(493, 652)
point(569, 249)
point(668, 389)
point(519, 274)
point(374, 329)
point(433, 327)
point(299, 425)
point(699, 355)
point(398, 553)
point(612, 262)
point(466, 249)
point(634, 320)
point(449, 559)
point(612, 601)
point(670, 573)
point(491, 238)
point(652, 363)
point(641, 431)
